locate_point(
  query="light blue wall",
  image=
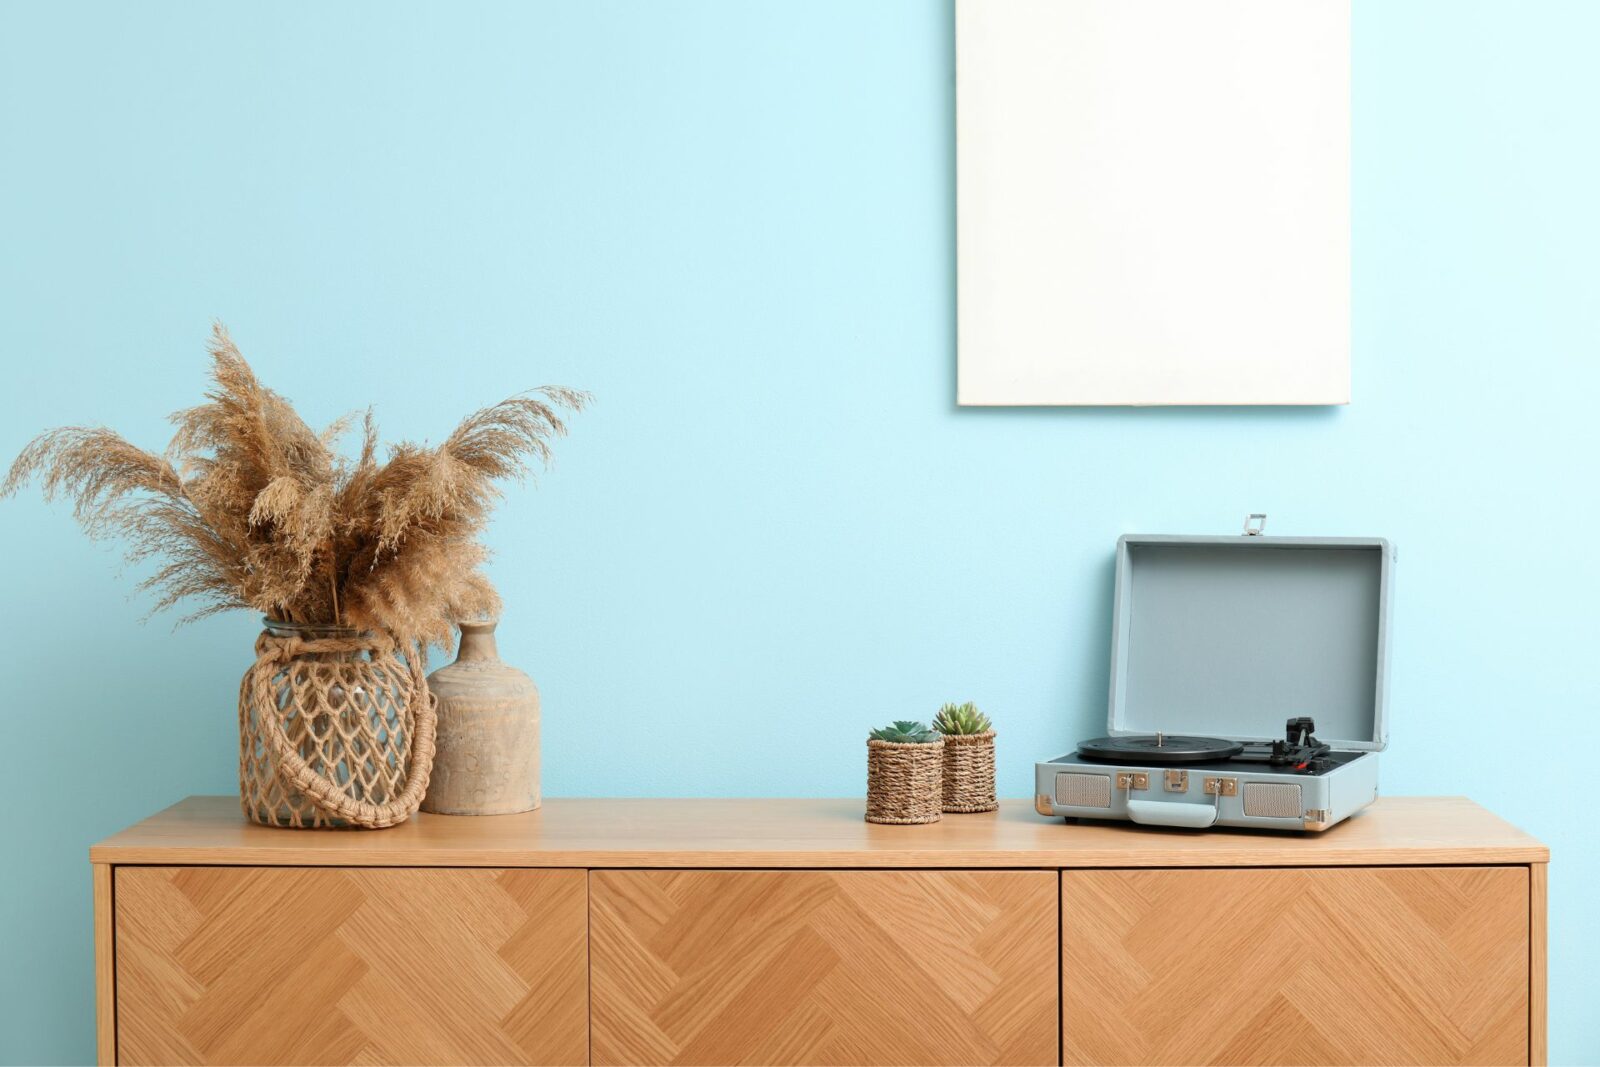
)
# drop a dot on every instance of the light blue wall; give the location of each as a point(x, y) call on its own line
point(734, 223)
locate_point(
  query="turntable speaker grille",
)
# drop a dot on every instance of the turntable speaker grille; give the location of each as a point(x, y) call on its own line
point(1272, 800)
point(1083, 790)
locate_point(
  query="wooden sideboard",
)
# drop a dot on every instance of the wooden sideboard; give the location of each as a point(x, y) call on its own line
point(790, 931)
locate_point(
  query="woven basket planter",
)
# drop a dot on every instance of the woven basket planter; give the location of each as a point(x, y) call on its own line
point(336, 729)
point(903, 781)
point(969, 772)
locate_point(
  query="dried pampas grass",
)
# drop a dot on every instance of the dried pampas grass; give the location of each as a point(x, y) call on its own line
point(251, 508)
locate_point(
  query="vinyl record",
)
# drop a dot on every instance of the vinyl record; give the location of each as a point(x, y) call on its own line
point(1159, 748)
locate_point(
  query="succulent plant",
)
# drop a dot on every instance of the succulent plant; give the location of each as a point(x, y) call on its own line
point(961, 719)
point(904, 732)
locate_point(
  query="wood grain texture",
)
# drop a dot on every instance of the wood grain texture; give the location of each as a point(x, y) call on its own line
point(299, 966)
point(1538, 995)
point(1360, 965)
point(105, 988)
point(814, 833)
point(823, 967)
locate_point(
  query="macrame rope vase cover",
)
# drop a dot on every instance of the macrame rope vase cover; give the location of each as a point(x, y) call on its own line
point(969, 772)
point(336, 729)
point(903, 781)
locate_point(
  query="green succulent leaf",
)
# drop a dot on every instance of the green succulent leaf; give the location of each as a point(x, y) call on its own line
point(961, 719)
point(904, 732)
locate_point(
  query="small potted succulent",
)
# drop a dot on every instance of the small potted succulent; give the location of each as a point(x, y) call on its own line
point(903, 773)
point(968, 758)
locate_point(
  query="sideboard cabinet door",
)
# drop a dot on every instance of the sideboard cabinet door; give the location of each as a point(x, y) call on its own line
point(350, 965)
point(824, 967)
point(1375, 965)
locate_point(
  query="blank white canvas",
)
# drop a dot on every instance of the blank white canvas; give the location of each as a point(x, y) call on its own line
point(1153, 201)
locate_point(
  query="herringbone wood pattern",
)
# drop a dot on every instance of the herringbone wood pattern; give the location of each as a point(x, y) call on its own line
point(1373, 965)
point(296, 965)
point(823, 967)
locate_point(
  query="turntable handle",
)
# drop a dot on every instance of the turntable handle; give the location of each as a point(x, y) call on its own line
point(1158, 813)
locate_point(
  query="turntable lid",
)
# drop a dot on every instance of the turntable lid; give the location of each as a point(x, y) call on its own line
point(1231, 636)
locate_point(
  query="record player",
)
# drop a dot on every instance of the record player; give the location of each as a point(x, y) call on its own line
point(1247, 685)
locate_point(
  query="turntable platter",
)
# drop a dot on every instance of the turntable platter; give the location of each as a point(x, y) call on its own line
point(1159, 748)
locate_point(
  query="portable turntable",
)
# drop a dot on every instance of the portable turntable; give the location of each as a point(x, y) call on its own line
point(1247, 685)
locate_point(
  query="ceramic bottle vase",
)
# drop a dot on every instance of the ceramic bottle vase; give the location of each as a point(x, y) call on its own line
point(487, 761)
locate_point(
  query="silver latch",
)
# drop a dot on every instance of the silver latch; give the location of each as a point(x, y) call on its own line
point(1255, 524)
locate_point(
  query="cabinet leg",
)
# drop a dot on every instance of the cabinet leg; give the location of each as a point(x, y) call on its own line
point(1538, 1010)
point(105, 968)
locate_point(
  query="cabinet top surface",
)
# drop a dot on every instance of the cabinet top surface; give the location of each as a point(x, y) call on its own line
point(813, 833)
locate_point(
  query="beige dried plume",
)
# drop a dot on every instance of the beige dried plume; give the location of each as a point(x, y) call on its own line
point(251, 508)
